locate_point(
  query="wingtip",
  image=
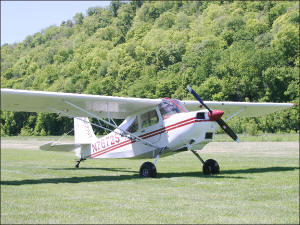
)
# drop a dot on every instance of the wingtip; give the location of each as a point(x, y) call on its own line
point(238, 140)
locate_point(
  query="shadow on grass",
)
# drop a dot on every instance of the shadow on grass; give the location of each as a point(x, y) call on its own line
point(195, 174)
point(136, 176)
point(97, 168)
point(260, 170)
point(87, 179)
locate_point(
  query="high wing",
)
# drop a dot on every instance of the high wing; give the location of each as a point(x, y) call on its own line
point(53, 102)
point(243, 109)
point(115, 107)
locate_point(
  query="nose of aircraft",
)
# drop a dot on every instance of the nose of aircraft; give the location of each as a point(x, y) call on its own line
point(215, 115)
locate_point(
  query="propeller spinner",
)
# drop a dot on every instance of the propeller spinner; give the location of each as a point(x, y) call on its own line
point(215, 115)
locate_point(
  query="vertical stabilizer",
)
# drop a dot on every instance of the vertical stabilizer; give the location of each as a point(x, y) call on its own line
point(83, 131)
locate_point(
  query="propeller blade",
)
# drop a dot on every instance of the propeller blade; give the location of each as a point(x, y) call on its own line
point(228, 130)
point(198, 98)
point(217, 116)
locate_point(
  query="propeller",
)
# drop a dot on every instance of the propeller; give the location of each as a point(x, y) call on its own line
point(216, 115)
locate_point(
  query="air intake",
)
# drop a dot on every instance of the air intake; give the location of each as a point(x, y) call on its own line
point(208, 135)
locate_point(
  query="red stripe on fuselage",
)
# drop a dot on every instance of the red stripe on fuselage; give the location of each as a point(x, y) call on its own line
point(148, 135)
point(144, 136)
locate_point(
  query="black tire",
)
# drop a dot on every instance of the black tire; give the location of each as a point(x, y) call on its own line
point(148, 169)
point(211, 166)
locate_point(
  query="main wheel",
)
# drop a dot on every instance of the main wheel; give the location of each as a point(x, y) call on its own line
point(211, 166)
point(148, 169)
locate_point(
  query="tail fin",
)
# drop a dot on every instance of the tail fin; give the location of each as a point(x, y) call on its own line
point(83, 131)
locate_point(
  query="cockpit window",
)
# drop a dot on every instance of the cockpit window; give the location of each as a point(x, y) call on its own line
point(149, 118)
point(134, 126)
point(171, 106)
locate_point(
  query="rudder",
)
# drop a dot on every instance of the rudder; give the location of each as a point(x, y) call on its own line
point(83, 131)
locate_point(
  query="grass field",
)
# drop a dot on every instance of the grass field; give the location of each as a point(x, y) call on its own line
point(258, 183)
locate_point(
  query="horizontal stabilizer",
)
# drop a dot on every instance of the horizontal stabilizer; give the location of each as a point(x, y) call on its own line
point(51, 146)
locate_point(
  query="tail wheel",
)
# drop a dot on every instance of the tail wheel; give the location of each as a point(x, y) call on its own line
point(211, 166)
point(148, 169)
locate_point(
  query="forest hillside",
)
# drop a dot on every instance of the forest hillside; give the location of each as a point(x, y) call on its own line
point(226, 50)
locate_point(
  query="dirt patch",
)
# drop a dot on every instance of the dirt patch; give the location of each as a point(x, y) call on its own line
point(25, 144)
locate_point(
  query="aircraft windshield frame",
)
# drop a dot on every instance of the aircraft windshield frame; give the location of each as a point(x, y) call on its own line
point(171, 106)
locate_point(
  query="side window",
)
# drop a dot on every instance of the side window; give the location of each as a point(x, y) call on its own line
point(149, 118)
point(133, 127)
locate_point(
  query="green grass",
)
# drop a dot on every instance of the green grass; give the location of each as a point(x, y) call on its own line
point(262, 137)
point(259, 183)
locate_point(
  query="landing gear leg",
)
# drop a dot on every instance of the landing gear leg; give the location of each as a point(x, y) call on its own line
point(198, 156)
point(78, 162)
point(158, 155)
point(148, 169)
point(210, 166)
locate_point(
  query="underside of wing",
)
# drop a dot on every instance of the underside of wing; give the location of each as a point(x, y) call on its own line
point(243, 109)
point(54, 102)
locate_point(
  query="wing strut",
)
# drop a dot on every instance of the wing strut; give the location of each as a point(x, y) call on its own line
point(235, 114)
point(96, 125)
point(108, 115)
point(112, 125)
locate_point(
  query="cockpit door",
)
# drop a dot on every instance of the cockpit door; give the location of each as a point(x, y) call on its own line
point(150, 125)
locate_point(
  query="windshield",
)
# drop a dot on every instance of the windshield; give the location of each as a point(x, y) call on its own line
point(171, 106)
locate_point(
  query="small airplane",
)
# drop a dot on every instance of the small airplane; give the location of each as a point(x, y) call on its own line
point(152, 128)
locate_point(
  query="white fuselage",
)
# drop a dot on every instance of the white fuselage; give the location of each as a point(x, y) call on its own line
point(177, 132)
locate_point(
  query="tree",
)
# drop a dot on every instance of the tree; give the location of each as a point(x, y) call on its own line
point(78, 18)
point(286, 41)
point(114, 7)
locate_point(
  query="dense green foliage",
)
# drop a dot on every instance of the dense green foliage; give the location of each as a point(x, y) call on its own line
point(232, 51)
